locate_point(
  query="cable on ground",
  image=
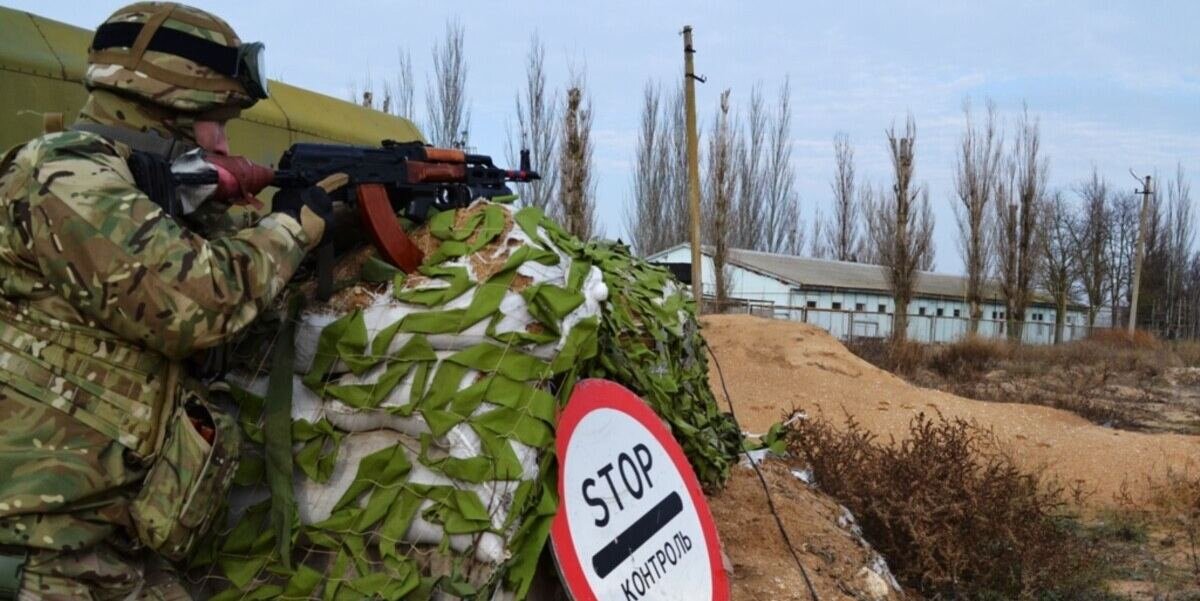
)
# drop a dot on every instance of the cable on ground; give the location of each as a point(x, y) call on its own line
point(762, 480)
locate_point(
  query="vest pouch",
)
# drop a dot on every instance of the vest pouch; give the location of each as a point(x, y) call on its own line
point(186, 485)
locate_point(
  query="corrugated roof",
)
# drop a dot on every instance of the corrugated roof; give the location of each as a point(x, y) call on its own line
point(808, 272)
point(824, 273)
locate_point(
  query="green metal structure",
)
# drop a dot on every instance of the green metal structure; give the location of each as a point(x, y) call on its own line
point(42, 64)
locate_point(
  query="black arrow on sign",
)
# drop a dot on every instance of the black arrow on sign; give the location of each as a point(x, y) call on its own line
point(614, 553)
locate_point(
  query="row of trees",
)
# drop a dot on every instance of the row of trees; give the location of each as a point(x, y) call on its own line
point(1072, 246)
point(555, 127)
point(1019, 240)
point(749, 181)
point(749, 197)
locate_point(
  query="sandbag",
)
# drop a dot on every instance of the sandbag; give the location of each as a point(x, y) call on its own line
point(424, 409)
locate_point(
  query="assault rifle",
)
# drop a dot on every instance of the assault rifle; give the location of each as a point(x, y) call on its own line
point(397, 178)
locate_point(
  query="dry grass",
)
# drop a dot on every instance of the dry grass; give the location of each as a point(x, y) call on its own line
point(897, 357)
point(1121, 338)
point(956, 518)
point(1155, 533)
point(1175, 506)
point(1188, 352)
point(972, 356)
point(1112, 378)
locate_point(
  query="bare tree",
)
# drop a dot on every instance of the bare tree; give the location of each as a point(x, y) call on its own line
point(677, 219)
point(406, 88)
point(448, 118)
point(577, 205)
point(817, 246)
point(783, 232)
point(979, 160)
point(841, 237)
point(660, 216)
point(1058, 258)
point(928, 258)
point(1193, 298)
point(751, 167)
point(1016, 214)
point(537, 129)
point(1121, 225)
point(721, 184)
point(644, 220)
point(868, 202)
point(1090, 243)
point(1179, 235)
point(1152, 285)
point(901, 226)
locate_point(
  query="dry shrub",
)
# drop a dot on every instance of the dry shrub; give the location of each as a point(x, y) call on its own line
point(894, 356)
point(970, 356)
point(1175, 505)
point(1188, 352)
point(1121, 338)
point(954, 516)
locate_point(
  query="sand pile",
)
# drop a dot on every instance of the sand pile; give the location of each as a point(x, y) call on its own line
point(841, 566)
point(772, 367)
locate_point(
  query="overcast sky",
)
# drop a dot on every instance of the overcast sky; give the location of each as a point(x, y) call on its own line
point(1115, 85)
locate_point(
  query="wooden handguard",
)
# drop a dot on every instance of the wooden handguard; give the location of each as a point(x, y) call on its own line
point(421, 172)
point(380, 221)
point(445, 155)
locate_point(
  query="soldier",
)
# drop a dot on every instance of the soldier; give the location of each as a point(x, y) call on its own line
point(110, 457)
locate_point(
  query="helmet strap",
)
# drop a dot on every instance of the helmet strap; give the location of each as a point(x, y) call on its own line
point(138, 50)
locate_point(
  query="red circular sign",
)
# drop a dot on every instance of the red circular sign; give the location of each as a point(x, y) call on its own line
point(632, 521)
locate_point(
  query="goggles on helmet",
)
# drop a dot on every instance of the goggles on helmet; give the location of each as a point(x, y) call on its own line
point(251, 69)
point(245, 63)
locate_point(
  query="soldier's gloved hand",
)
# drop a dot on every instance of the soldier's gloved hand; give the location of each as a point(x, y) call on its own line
point(152, 175)
point(311, 207)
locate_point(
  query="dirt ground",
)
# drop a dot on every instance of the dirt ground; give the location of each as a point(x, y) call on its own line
point(763, 569)
point(1144, 389)
point(774, 367)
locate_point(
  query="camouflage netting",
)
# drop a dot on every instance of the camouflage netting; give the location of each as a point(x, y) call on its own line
point(424, 407)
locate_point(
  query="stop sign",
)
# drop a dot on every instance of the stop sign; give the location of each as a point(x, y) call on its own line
point(632, 522)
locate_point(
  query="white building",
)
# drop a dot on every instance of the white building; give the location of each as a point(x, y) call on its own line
point(853, 299)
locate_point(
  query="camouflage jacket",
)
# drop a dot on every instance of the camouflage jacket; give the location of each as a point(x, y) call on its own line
point(101, 294)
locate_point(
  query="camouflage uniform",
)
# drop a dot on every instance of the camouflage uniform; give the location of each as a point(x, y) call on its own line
point(101, 297)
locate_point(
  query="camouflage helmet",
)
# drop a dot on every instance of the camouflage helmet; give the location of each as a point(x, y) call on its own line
point(177, 57)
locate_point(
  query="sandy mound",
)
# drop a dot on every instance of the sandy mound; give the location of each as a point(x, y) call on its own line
point(773, 366)
point(840, 565)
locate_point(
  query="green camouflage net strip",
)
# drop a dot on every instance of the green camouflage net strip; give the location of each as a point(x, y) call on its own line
point(647, 340)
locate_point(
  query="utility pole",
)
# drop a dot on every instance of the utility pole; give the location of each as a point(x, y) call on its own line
point(1146, 192)
point(693, 168)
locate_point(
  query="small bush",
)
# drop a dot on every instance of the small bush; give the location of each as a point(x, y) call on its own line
point(954, 516)
point(1121, 338)
point(897, 357)
point(1176, 504)
point(1122, 525)
point(968, 357)
point(1188, 352)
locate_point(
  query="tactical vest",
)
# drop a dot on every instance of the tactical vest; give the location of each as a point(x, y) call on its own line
point(116, 388)
point(170, 477)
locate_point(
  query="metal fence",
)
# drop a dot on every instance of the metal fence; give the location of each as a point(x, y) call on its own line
point(851, 324)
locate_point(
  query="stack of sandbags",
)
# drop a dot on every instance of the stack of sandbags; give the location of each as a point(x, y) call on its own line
point(422, 411)
point(424, 407)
